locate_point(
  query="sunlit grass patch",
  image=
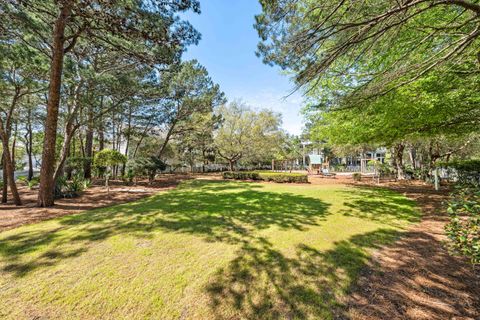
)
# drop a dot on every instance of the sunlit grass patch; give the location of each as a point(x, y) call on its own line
point(208, 249)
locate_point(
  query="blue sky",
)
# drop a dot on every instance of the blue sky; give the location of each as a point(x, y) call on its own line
point(227, 50)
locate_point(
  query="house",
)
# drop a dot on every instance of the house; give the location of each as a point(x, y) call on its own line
point(316, 160)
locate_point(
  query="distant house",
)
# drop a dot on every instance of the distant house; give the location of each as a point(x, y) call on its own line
point(316, 161)
point(359, 162)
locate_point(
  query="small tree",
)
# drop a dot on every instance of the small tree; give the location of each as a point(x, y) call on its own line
point(247, 135)
point(108, 159)
point(148, 166)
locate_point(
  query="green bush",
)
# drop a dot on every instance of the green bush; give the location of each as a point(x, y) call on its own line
point(22, 180)
point(77, 184)
point(76, 164)
point(284, 177)
point(278, 177)
point(148, 166)
point(357, 176)
point(34, 182)
point(468, 171)
point(463, 230)
point(242, 175)
point(70, 189)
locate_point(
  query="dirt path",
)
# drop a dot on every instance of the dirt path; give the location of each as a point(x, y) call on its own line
point(416, 278)
point(12, 216)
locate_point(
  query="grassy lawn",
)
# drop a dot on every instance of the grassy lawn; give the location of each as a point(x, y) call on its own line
point(206, 250)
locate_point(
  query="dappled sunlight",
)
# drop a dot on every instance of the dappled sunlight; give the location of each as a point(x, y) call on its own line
point(208, 249)
point(382, 205)
point(216, 211)
point(262, 282)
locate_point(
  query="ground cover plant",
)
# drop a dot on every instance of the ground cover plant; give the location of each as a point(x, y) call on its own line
point(463, 230)
point(208, 249)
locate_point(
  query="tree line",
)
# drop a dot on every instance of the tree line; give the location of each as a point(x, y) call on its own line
point(398, 74)
point(78, 77)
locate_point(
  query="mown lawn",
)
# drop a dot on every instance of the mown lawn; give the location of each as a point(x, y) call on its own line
point(206, 250)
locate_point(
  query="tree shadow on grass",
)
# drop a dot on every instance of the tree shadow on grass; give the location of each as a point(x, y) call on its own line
point(382, 205)
point(217, 211)
point(263, 283)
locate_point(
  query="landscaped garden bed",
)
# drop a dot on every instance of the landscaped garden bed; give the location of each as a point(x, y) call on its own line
point(278, 177)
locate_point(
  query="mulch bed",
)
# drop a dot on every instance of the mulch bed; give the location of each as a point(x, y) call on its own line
point(12, 216)
point(416, 277)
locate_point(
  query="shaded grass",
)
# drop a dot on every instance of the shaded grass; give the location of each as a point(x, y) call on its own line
point(208, 249)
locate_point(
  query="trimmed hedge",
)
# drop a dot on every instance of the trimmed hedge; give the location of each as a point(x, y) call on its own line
point(278, 177)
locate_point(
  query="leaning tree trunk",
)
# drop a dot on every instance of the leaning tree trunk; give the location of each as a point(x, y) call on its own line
point(69, 134)
point(47, 182)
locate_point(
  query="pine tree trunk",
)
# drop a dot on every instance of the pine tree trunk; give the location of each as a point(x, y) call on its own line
point(47, 183)
point(413, 157)
point(127, 138)
point(101, 134)
point(29, 144)
point(9, 171)
point(5, 180)
point(87, 169)
point(399, 148)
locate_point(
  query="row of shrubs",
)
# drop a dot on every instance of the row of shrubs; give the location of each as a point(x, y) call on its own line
point(278, 177)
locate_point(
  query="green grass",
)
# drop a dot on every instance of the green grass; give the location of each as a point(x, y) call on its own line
point(206, 250)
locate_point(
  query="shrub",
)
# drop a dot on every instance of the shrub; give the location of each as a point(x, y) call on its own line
point(22, 180)
point(468, 171)
point(74, 187)
point(241, 175)
point(128, 176)
point(463, 230)
point(145, 166)
point(357, 176)
point(70, 189)
point(76, 164)
point(279, 177)
point(34, 182)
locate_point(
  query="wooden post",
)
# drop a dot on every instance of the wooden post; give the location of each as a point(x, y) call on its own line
point(273, 165)
point(437, 180)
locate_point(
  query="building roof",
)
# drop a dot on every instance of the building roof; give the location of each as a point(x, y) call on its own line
point(315, 159)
